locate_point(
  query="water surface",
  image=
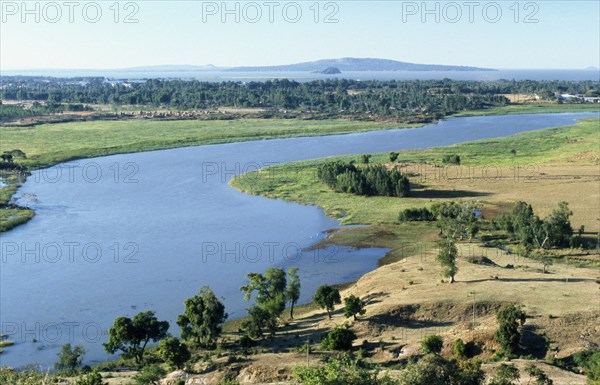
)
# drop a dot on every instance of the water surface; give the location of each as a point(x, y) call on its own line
point(120, 234)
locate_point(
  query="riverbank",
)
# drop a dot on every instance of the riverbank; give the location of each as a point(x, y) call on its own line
point(51, 144)
point(411, 286)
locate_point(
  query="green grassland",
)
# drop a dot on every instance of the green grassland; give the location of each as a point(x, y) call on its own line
point(533, 108)
point(297, 181)
point(49, 144)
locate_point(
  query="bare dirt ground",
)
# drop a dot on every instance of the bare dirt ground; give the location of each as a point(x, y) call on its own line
point(541, 185)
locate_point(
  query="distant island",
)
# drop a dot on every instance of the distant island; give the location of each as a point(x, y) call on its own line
point(357, 64)
point(329, 71)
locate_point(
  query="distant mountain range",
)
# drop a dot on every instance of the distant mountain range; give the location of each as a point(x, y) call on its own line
point(358, 64)
point(344, 64)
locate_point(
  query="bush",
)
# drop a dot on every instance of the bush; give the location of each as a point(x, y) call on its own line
point(451, 159)
point(459, 349)
point(92, 378)
point(341, 370)
point(173, 352)
point(410, 215)
point(339, 338)
point(149, 375)
point(432, 344)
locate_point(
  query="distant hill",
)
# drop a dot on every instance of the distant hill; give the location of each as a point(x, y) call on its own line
point(359, 64)
point(329, 71)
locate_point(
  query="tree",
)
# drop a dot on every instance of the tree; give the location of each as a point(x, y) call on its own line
point(393, 156)
point(365, 158)
point(92, 378)
point(510, 318)
point(270, 290)
point(69, 358)
point(505, 375)
point(339, 338)
point(432, 344)
point(327, 297)
point(456, 220)
point(292, 292)
point(202, 318)
point(447, 258)
point(353, 306)
point(173, 352)
point(132, 335)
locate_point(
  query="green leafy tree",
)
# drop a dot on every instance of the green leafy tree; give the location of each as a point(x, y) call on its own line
point(393, 156)
point(327, 297)
point(447, 258)
point(505, 374)
point(456, 220)
point(132, 335)
point(270, 290)
point(174, 352)
point(69, 357)
point(432, 344)
point(292, 292)
point(510, 318)
point(92, 378)
point(353, 306)
point(339, 338)
point(365, 158)
point(202, 318)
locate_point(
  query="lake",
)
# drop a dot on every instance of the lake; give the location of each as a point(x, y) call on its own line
point(120, 234)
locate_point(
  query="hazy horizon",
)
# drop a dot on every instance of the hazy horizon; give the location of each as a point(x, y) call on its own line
point(502, 35)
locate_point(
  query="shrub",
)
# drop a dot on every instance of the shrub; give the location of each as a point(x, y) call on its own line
point(339, 338)
point(410, 215)
point(149, 375)
point(92, 378)
point(459, 349)
point(451, 159)
point(432, 344)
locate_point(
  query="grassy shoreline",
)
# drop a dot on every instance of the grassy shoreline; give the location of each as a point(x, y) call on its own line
point(51, 144)
point(297, 182)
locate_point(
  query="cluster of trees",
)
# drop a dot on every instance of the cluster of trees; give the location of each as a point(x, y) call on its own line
point(523, 226)
point(19, 111)
point(390, 99)
point(374, 180)
point(456, 220)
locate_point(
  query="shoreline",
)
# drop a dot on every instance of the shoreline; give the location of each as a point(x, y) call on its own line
point(331, 233)
point(516, 109)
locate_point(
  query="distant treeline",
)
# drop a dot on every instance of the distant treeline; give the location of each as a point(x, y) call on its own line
point(387, 99)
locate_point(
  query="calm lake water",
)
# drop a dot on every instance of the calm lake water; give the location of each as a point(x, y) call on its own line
point(121, 234)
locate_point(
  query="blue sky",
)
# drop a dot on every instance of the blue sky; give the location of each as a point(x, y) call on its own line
point(541, 34)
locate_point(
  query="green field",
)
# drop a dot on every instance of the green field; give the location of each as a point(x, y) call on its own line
point(532, 109)
point(49, 144)
point(297, 181)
